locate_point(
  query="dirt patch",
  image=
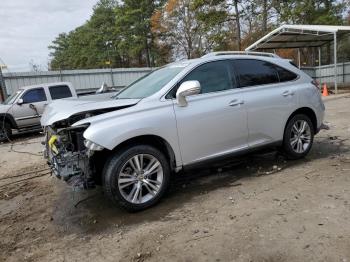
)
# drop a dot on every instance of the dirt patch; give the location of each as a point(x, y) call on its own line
point(257, 208)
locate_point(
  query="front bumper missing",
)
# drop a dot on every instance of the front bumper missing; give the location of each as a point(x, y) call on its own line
point(72, 167)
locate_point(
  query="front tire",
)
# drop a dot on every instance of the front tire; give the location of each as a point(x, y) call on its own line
point(298, 137)
point(5, 132)
point(136, 177)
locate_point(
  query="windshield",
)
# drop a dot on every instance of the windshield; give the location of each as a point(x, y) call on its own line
point(12, 98)
point(150, 83)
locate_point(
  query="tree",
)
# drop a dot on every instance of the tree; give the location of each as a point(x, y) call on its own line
point(151, 33)
point(191, 28)
point(85, 47)
point(310, 11)
point(133, 28)
point(179, 28)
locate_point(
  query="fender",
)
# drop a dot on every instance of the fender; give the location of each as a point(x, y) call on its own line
point(120, 126)
point(10, 119)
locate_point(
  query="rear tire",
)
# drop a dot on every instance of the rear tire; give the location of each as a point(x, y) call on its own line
point(136, 177)
point(298, 137)
point(5, 132)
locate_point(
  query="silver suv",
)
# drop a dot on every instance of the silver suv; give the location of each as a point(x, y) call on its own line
point(182, 115)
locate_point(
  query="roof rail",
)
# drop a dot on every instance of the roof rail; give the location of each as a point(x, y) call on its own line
point(240, 53)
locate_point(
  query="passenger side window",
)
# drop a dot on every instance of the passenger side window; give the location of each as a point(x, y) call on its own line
point(59, 92)
point(285, 75)
point(213, 76)
point(34, 96)
point(255, 72)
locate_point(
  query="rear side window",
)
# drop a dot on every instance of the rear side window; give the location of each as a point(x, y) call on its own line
point(255, 72)
point(285, 75)
point(58, 92)
point(34, 96)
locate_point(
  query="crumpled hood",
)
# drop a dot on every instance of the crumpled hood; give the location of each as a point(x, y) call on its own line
point(65, 108)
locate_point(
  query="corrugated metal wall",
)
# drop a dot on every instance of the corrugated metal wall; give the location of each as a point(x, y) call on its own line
point(85, 80)
point(325, 73)
point(82, 79)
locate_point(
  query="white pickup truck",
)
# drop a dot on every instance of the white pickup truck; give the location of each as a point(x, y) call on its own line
point(23, 109)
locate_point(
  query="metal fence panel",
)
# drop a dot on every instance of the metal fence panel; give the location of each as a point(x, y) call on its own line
point(325, 73)
point(89, 79)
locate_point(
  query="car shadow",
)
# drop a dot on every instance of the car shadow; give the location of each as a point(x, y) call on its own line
point(91, 212)
point(23, 136)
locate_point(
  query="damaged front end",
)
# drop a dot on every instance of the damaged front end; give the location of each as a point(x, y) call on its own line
point(68, 154)
point(71, 157)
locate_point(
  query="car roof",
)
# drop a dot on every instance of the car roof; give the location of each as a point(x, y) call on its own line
point(227, 55)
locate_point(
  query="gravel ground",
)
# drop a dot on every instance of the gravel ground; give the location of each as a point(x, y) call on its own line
point(260, 208)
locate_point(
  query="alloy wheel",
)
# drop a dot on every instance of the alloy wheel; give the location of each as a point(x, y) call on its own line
point(140, 178)
point(300, 139)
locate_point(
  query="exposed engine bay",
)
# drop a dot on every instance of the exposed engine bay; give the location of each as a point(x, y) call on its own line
point(67, 153)
point(68, 157)
point(71, 157)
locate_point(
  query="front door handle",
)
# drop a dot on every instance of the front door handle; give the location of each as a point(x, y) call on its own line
point(288, 93)
point(236, 102)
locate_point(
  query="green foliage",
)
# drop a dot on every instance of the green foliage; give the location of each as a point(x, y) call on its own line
point(323, 12)
point(87, 46)
point(132, 33)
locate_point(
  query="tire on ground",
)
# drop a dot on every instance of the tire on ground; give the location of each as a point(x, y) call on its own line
point(113, 168)
point(287, 149)
point(5, 131)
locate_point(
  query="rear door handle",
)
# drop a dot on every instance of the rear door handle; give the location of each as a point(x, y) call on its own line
point(236, 102)
point(287, 93)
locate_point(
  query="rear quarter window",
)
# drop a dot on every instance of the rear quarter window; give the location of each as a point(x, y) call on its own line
point(285, 75)
point(253, 72)
point(59, 92)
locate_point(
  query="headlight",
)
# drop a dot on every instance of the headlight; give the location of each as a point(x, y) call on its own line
point(92, 146)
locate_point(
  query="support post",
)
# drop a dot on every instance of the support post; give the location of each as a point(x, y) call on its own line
point(2, 85)
point(335, 64)
point(61, 77)
point(299, 62)
point(319, 65)
point(112, 77)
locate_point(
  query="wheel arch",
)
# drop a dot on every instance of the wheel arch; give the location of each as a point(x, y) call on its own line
point(153, 140)
point(305, 111)
point(9, 119)
point(101, 157)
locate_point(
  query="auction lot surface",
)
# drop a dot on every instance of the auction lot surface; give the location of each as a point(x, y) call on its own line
point(261, 209)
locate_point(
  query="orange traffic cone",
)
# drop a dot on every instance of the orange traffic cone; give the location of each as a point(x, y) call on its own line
point(325, 90)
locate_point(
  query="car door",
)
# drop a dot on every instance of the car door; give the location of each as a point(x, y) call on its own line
point(29, 112)
point(214, 123)
point(269, 102)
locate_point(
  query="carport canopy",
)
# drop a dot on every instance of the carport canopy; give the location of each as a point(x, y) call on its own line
point(301, 36)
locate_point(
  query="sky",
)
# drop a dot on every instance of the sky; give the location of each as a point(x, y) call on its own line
point(27, 28)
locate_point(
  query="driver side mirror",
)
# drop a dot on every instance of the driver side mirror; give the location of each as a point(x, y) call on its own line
point(20, 101)
point(187, 88)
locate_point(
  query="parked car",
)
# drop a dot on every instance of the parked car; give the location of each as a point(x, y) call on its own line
point(23, 109)
point(183, 115)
